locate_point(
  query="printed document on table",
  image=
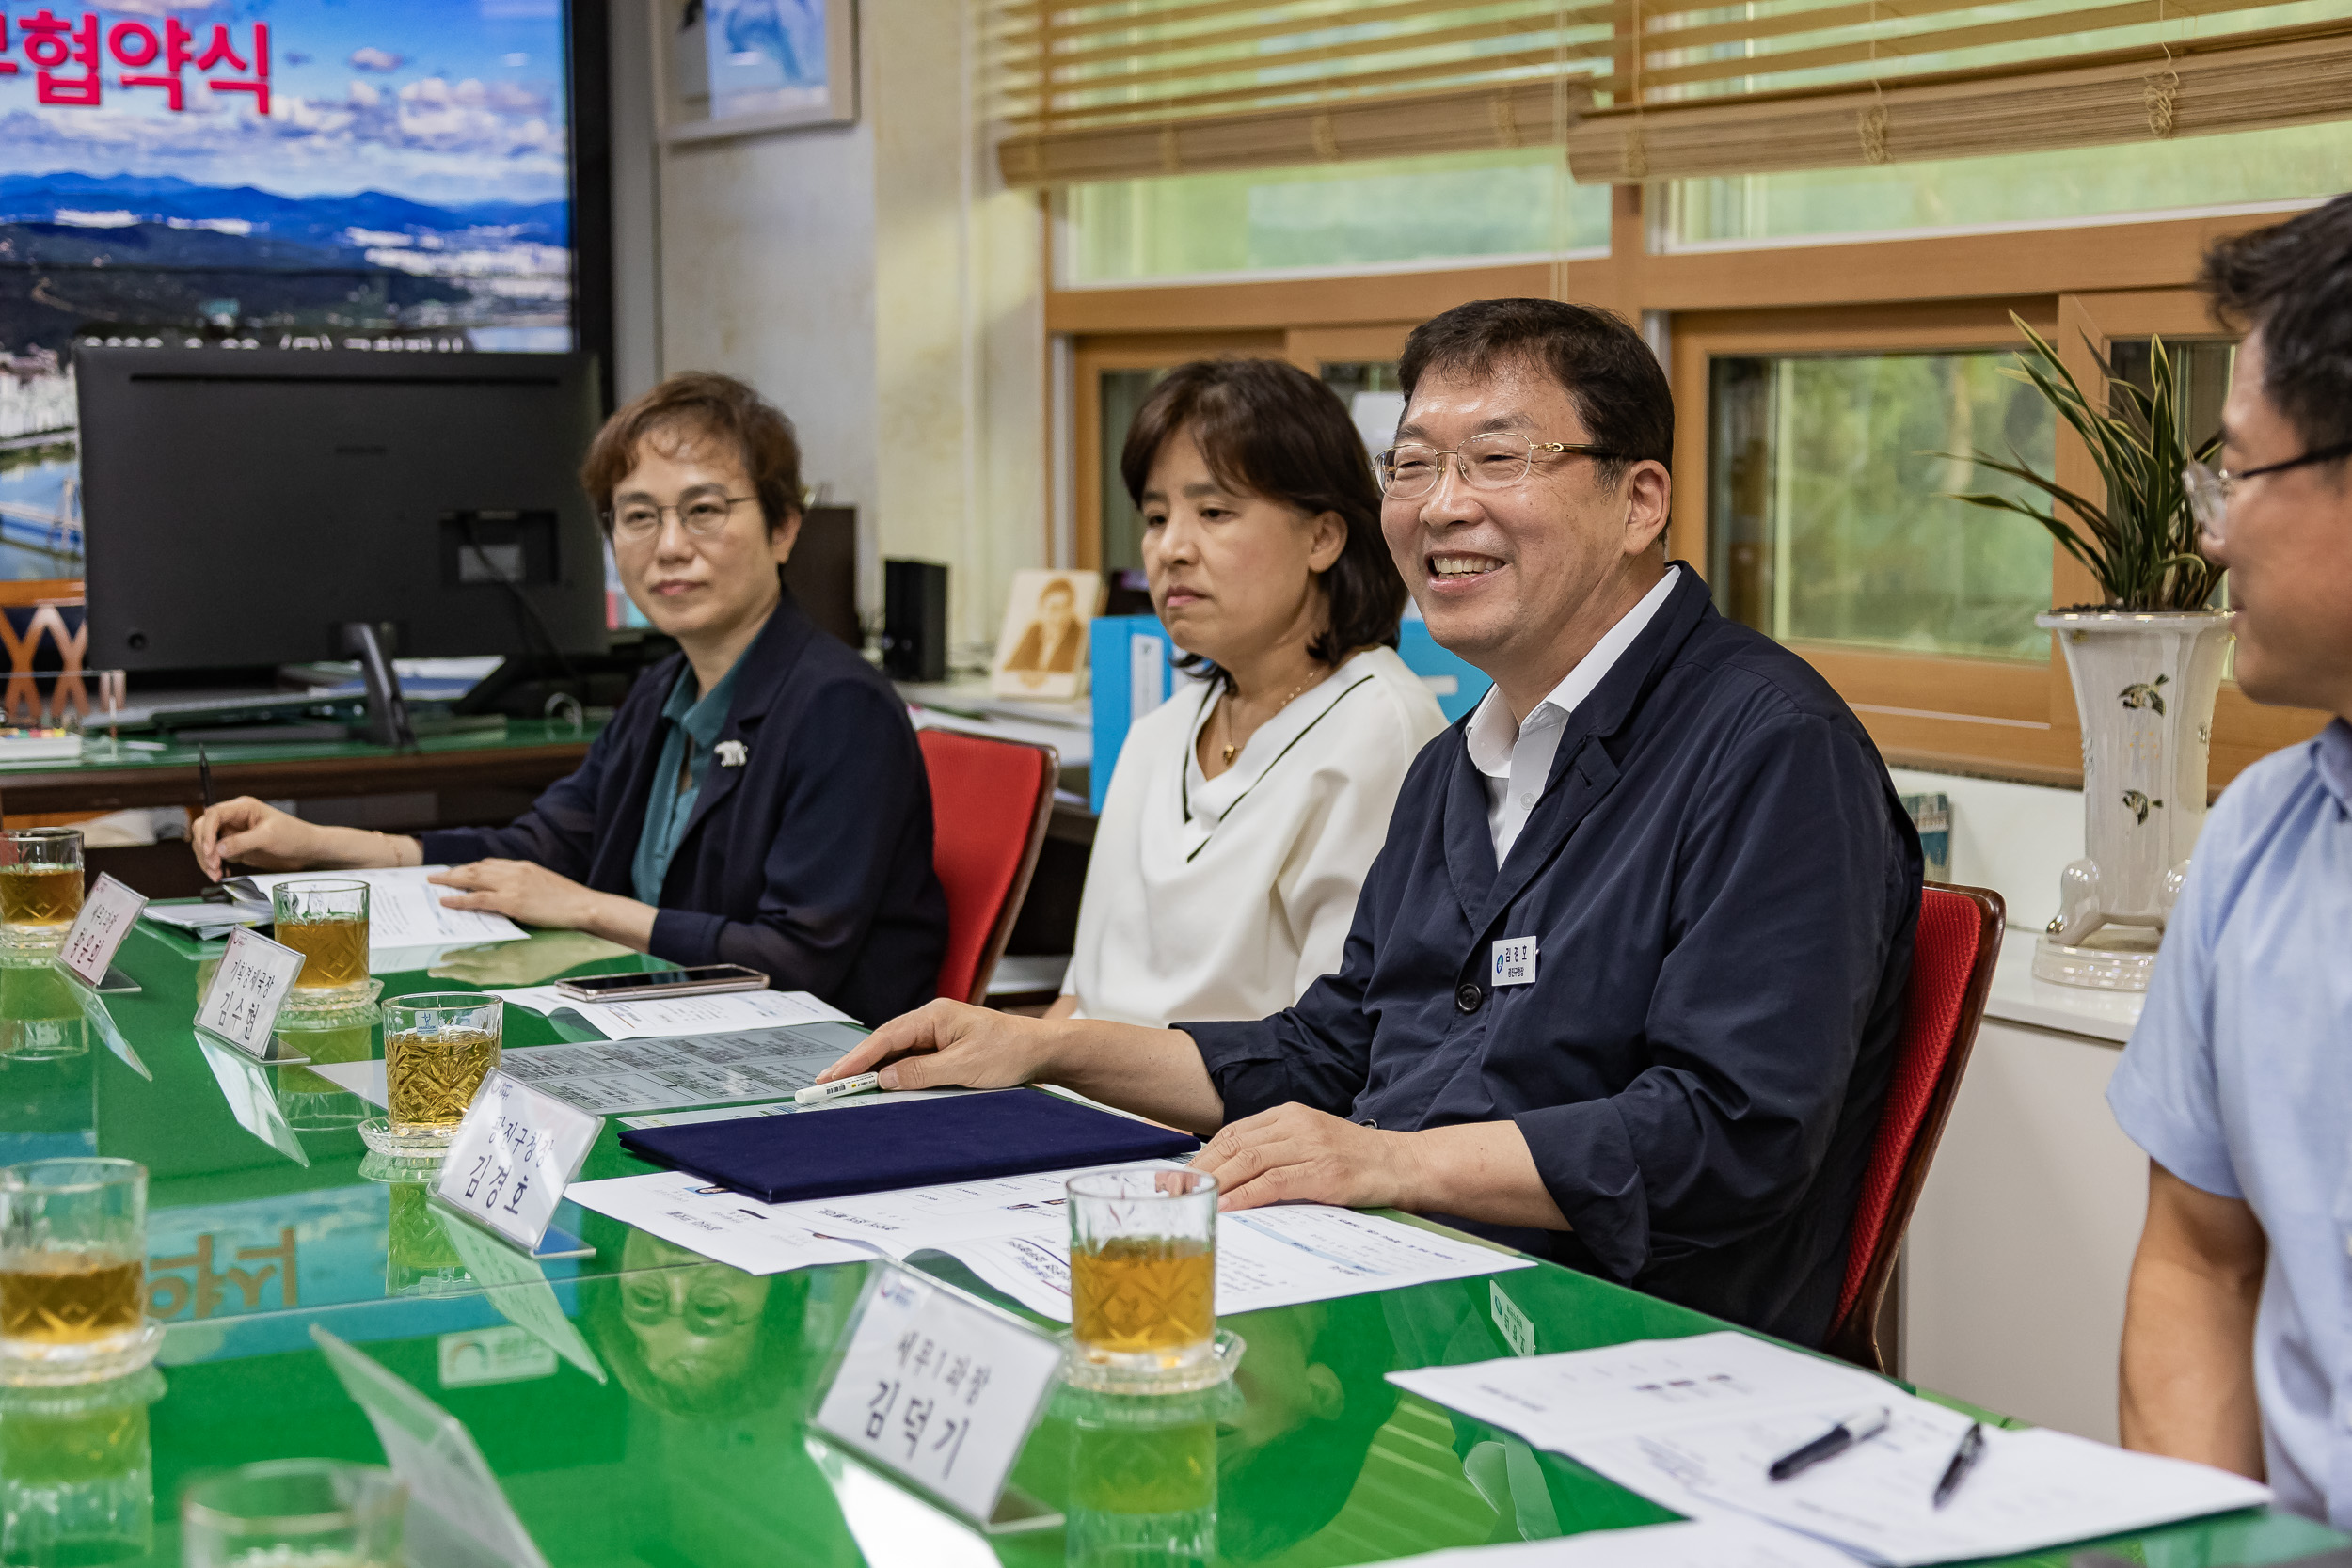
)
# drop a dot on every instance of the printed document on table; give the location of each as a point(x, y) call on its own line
point(1694, 1424)
point(1014, 1232)
point(649, 1017)
point(403, 910)
point(1687, 1543)
point(725, 1226)
point(607, 1077)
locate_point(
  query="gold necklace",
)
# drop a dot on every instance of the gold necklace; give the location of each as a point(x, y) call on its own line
point(1225, 713)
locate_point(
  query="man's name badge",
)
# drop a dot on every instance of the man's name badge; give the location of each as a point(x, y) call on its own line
point(1514, 962)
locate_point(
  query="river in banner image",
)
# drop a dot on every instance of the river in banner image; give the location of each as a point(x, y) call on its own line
point(36, 486)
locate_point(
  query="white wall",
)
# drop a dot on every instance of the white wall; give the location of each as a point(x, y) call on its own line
point(2012, 838)
point(877, 282)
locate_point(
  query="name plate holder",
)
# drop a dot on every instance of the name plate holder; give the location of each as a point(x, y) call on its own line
point(507, 1168)
point(108, 912)
point(937, 1391)
point(240, 1008)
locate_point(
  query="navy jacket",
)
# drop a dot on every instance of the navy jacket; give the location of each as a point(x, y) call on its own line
point(1723, 887)
point(811, 863)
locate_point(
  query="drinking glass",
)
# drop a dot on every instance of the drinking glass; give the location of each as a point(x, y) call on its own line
point(294, 1514)
point(438, 1048)
point(73, 1271)
point(78, 1472)
point(1143, 1474)
point(40, 886)
point(1143, 1279)
point(326, 922)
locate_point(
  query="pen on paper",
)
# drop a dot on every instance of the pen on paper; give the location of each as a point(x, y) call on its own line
point(1860, 1427)
point(1963, 1459)
point(819, 1093)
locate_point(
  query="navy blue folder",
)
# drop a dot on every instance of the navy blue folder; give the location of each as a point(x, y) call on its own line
point(841, 1152)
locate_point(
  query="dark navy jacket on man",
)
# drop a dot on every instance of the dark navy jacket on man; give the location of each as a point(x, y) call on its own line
point(1723, 889)
point(810, 863)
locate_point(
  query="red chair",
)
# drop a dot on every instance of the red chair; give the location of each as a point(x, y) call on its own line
point(1951, 972)
point(989, 803)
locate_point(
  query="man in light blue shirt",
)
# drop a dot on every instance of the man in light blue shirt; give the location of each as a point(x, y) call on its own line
point(2237, 1338)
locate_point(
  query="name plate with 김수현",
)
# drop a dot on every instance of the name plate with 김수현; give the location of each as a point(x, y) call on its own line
point(241, 1004)
point(107, 914)
point(939, 1389)
point(513, 1154)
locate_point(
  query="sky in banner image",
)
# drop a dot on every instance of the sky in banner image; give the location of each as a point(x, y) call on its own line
point(235, 174)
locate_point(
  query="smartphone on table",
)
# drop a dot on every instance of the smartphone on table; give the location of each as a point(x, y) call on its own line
point(698, 980)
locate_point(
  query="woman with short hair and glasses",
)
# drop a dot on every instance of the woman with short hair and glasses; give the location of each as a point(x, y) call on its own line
point(758, 800)
point(1245, 811)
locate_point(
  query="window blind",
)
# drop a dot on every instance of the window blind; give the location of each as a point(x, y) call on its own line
point(1097, 89)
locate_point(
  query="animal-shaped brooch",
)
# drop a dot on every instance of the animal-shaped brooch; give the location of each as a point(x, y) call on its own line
point(732, 754)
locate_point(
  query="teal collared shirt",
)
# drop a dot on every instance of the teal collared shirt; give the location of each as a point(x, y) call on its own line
point(691, 729)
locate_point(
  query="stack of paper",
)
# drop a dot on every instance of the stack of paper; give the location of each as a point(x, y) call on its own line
point(1694, 1424)
point(407, 922)
point(1014, 1232)
point(648, 1018)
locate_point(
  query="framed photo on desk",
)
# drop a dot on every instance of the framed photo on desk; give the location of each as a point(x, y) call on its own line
point(739, 68)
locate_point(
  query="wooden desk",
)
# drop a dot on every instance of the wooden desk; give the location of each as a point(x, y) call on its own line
point(530, 754)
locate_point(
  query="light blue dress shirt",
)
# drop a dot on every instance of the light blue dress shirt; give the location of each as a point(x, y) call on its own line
point(2238, 1080)
point(692, 730)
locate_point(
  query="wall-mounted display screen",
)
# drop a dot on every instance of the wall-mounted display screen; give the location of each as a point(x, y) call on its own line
point(220, 175)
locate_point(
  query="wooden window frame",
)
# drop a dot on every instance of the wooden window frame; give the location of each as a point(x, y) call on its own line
point(2085, 287)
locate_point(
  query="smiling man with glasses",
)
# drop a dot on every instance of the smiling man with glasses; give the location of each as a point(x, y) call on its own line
point(1625, 980)
point(2237, 1337)
point(758, 799)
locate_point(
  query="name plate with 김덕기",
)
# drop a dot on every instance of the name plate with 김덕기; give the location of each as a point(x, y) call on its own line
point(241, 1004)
point(513, 1154)
point(108, 911)
point(939, 1391)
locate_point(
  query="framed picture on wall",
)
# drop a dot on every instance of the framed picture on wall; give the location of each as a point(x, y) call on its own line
point(737, 68)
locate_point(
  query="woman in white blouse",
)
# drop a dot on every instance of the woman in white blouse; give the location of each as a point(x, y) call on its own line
point(1245, 811)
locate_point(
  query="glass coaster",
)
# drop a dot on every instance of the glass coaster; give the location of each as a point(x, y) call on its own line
point(376, 1133)
point(326, 1004)
point(1207, 1372)
point(2114, 958)
point(56, 1366)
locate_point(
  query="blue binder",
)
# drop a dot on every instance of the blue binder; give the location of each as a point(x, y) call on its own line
point(842, 1152)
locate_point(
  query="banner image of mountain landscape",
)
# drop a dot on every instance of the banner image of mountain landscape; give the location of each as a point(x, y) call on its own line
point(406, 190)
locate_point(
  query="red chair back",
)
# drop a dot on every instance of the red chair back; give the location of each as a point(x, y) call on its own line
point(1952, 973)
point(989, 803)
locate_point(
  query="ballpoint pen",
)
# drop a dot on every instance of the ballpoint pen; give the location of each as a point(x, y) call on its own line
point(1963, 1459)
point(1859, 1427)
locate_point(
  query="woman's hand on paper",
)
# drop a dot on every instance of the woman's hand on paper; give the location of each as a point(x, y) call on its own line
point(257, 834)
point(950, 1045)
point(1294, 1154)
point(520, 890)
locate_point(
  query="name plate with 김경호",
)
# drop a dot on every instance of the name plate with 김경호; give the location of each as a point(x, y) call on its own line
point(513, 1154)
point(108, 912)
point(938, 1390)
point(240, 1007)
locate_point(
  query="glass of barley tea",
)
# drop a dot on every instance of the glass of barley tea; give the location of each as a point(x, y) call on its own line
point(40, 886)
point(73, 1271)
point(326, 922)
point(1143, 1278)
point(438, 1048)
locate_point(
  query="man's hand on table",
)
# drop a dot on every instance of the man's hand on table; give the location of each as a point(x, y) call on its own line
point(950, 1044)
point(1292, 1154)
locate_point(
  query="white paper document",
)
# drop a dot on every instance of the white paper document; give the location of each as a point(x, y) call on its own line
point(1694, 1424)
point(605, 1077)
point(651, 1017)
point(1014, 1232)
point(403, 910)
point(1689, 1543)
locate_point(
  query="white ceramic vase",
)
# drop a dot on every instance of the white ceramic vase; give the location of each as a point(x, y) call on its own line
point(2144, 687)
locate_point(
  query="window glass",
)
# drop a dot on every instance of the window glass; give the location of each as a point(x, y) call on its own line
point(1353, 215)
point(2291, 164)
point(1829, 511)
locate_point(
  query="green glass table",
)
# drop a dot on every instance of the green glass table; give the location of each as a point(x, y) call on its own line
point(660, 1423)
